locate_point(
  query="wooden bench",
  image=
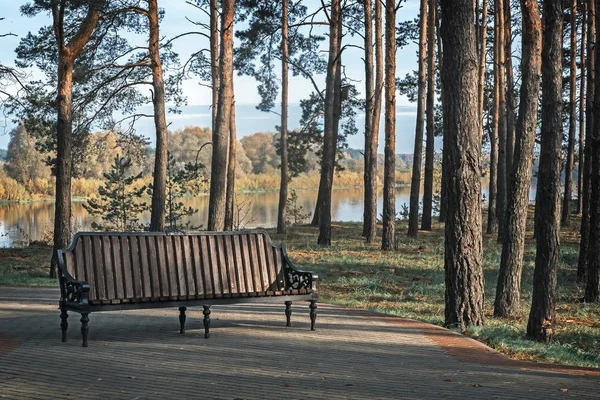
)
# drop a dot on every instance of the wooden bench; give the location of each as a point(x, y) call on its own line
point(124, 271)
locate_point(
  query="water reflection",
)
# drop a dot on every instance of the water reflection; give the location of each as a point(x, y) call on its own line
point(21, 223)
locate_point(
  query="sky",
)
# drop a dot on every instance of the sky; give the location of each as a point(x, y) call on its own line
point(249, 120)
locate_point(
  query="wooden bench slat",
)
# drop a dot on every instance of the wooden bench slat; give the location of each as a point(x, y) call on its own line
point(179, 263)
point(222, 266)
point(262, 262)
point(88, 256)
point(99, 268)
point(118, 268)
point(159, 247)
point(213, 262)
point(237, 263)
point(197, 261)
point(155, 282)
point(206, 268)
point(80, 262)
point(127, 270)
point(145, 268)
point(108, 266)
point(256, 270)
point(188, 265)
point(134, 253)
point(270, 264)
point(231, 268)
point(245, 262)
point(170, 265)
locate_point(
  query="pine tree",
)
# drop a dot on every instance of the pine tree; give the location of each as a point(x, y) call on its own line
point(118, 205)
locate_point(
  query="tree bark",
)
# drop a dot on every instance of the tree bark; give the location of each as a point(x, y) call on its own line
point(509, 279)
point(159, 188)
point(492, 221)
point(482, 59)
point(283, 186)
point(542, 314)
point(572, 119)
point(67, 53)
point(592, 289)
point(443, 188)
point(463, 238)
point(218, 173)
point(415, 184)
point(372, 92)
point(231, 163)
point(214, 59)
point(582, 61)
point(501, 181)
point(331, 116)
point(510, 96)
point(587, 156)
point(430, 143)
point(388, 240)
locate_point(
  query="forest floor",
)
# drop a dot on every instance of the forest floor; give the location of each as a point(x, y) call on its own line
point(409, 282)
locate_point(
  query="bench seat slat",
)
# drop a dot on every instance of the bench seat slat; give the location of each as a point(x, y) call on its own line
point(145, 268)
point(118, 268)
point(159, 249)
point(197, 262)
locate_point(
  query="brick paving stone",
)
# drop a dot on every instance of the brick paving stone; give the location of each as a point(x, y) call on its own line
point(140, 354)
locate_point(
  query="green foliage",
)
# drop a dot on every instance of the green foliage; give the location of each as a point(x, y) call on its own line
point(178, 186)
point(295, 213)
point(118, 206)
point(23, 162)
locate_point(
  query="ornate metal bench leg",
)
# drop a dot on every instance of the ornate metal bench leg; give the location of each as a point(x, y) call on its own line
point(206, 313)
point(313, 314)
point(182, 319)
point(288, 313)
point(64, 325)
point(84, 329)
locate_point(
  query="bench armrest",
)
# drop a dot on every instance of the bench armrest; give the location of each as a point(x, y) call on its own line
point(295, 278)
point(71, 290)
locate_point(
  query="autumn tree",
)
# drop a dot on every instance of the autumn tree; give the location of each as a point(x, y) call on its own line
point(23, 162)
point(463, 260)
point(547, 206)
point(508, 288)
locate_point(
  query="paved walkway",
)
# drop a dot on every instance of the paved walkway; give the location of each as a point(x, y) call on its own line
point(251, 355)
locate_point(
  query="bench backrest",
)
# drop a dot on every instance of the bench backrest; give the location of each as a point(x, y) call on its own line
point(138, 266)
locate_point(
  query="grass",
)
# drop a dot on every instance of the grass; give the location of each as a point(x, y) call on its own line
point(409, 282)
point(27, 266)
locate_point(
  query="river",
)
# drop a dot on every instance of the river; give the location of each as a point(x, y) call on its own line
point(23, 223)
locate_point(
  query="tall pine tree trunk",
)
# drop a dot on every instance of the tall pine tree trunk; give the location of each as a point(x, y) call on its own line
point(509, 279)
point(330, 133)
point(510, 95)
point(388, 240)
point(214, 59)
point(482, 59)
point(492, 221)
point(581, 108)
point(463, 260)
point(415, 183)
point(218, 173)
point(430, 144)
point(443, 187)
point(370, 174)
point(67, 53)
point(501, 181)
point(572, 118)
point(592, 289)
point(283, 185)
point(542, 314)
point(231, 163)
point(159, 186)
point(587, 153)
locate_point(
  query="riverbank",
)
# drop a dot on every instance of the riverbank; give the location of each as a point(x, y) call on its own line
point(408, 282)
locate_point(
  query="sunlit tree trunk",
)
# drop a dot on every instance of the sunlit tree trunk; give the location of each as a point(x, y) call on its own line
point(542, 315)
point(283, 185)
point(510, 96)
point(492, 221)
point(231, 164)
point(415, 184)
point(218, 173)
point(161, 158)
point(463, 238)
point(214, 59)
point(511, 266)
point(388, 240)
point(430, 144)
point(501, 181)
point(582, 89)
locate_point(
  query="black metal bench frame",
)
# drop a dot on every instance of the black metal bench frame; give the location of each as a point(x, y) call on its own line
point(74, 293)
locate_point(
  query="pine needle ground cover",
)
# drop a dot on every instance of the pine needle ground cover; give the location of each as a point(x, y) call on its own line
point(408, 282)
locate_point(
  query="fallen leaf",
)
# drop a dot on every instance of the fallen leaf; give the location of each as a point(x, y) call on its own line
point(447, 380)
point(348, 384)
point(564, 390)
point(323, 379)
point(476, 385)
point(287, 385)
point(131, 377)
point(11, 377)
point(99, 379)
